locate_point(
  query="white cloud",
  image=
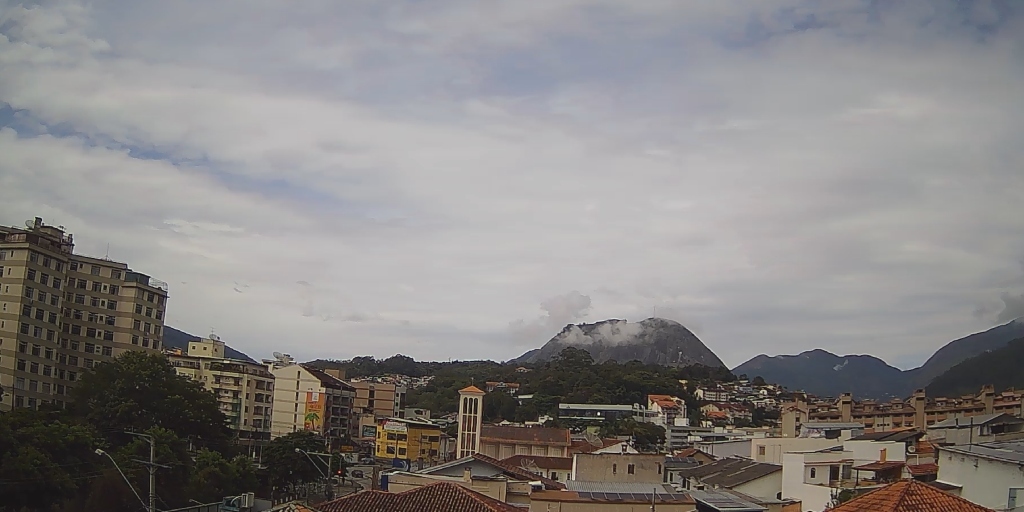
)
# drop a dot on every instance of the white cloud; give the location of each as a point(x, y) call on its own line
point(787, 175)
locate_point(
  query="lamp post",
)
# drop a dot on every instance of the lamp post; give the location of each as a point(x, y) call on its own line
point(327, 477)
point(130, 486)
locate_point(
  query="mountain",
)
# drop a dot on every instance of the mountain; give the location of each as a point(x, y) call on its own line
point(1000, 367)
point(174, 338)
point(825, 374)
point(651, 341)
point(822, 373)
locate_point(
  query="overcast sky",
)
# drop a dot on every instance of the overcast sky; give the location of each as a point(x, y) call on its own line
point(460, 179)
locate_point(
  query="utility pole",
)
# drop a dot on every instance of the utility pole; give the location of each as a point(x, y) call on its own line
point(152, 466)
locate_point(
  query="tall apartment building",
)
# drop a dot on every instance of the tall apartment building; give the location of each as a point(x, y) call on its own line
point(375, 401)
point(61, 313)
point(244, 389)
point(307, 398)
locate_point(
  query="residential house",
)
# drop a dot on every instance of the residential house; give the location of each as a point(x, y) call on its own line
point(520, 486)
point(505, 441)
point(989, 474)
point(982, 428)
point(618, 467)
point(770, 449)
point(908, 496)
point(713, 394)
point(739, 474)
point(558, 469)
point(506, 387)
point(730, 412)
point(437, 496)
point(667, 410)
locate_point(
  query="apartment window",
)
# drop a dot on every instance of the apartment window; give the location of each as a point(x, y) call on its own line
point(108, 351)
point(814, 472)
point(72, 376)
point(47, 370)
point(33, 385)
point(159, 314)
point(25, 328)
point(40, 314)
point(36, 349)
point(58, 266)
point(156, 330)
point(31, 403)
point(19, 383)
point(1, 269)
point(615, 468)
point(46, 388)
point(89, 363)
point(94, 302)
point(62, 358)
point(79, 298)
point(116, 274)
point(112, 305)
point(135, 339)
point(3, 255)
point(145, 344)
point(77, 314)
point(149, 297)
point(46, 261)
point(149, 311)
point(34, 368)
point(97, 286)
point(60, 389)
point(95, 270)
point(51, 335)
point(147, 327)
point(56, 283)
point(54, 300)
point(74, 266)
point(108, 336)
point(138, 309)
point(31, 275)
point(21, 365)
point(110, 320)
point(23, 347)
point(159, 301)
point(26, 310)
point(90, 332)
point(52, 318)
point(73, 360)
point(115, 289)
point(137, 325)
point(74, 345)
point(30, 292)
point(44, 280)
point(81, 284)
point(37, 332)
point(90, 348)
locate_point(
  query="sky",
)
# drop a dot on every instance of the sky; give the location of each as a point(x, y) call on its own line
point(456, 179)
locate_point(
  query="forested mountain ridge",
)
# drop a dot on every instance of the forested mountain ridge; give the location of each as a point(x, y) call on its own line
point(1000, 367)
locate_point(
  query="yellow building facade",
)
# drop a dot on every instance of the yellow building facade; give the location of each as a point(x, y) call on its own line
point(416, 442)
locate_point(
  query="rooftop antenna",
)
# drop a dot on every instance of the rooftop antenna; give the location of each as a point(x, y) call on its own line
point(107, 256)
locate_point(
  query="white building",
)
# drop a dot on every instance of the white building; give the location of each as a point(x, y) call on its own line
point(989, 474)
point(983, 428)
point(307, 398)
point(471, 413)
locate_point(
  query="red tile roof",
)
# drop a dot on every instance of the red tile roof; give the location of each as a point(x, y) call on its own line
point(440, 496)
point(923, 469)
point(526, 435)
point(472, 389)
point(518, 472)
point(524, 461)
point(909, 496)
point(584, 446)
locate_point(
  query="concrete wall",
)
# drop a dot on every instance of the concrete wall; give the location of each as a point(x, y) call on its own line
point(722, 449)
point(870, 451)
point(770, 449)
point(595, 467)
point(815, 498)
point(502, 451)
point(767, 487)
point(984, 481)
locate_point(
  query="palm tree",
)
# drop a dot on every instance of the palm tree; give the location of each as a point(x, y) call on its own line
point(312, 418)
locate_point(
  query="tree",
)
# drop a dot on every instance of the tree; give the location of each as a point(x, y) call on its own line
point(215, 477)
point(43, 461)
point(285, 466)
point(137, 391)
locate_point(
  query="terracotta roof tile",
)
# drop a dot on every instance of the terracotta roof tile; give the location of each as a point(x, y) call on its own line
point(909, 496)
point(880, 466)
point(923, 469)
point(584, 446)
point(526, 435)
point(472, 389)
point(437, 497)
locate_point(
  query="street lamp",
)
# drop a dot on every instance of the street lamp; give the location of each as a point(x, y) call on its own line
point(327, 478)
point(144, 505)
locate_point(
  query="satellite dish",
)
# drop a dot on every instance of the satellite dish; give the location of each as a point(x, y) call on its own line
point(30, 223)
point(278, 355)
point(214, 337)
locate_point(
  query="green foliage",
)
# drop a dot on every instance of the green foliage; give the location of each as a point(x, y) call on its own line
point(646, 436)
point(137, 391)
point(286, 467)
point(1000, 367)
point(215, 476)
point(43, 460)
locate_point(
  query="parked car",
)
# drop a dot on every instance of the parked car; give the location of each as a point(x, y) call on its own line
point(357, 473)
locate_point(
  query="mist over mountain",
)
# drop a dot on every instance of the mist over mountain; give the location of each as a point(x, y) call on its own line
point(651, 341)
point(823, 373)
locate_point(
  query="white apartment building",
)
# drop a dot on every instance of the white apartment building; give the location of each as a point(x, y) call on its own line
point(307, 398)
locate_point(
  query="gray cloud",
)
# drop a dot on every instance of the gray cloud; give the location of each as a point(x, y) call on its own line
point(775, 173)
point(1013, 307)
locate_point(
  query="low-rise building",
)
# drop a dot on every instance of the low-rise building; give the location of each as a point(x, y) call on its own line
point(383, 400)
point(502, 442)
point(558, 469)
point(506, 387)
point(520, 486)
point(412, 443)
point(743, 475)
point(667, 410)
point(599, 413)
point(244, 389)
point(618, 467)
point(989, 474)
point(908, 496)
point(436, 496)
point(983, 428)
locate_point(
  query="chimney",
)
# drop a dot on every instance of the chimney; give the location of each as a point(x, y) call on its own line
point(467, 474)
point(988, 397)
point(882, 454)
point(920, 401)
point(846, 407)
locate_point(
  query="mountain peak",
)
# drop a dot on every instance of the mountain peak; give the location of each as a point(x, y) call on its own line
point(651, 341)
